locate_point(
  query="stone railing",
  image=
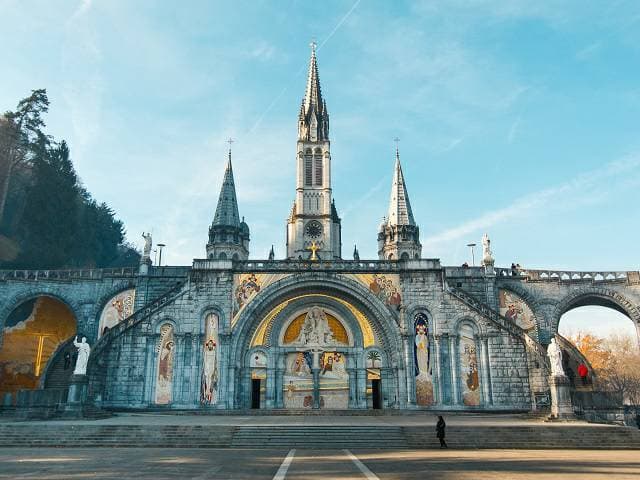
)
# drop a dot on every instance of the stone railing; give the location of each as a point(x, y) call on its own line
point(345, 266)
point(76, 274)
point(533, 275)
point(135, 318)
point(502, 322)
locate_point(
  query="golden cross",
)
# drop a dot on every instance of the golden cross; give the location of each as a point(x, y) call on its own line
point(314, 248)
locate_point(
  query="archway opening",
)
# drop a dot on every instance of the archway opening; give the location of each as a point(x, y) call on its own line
point(32, 333)
point(607, 339)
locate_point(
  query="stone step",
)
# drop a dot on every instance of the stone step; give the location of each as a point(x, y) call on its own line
point(311, 436)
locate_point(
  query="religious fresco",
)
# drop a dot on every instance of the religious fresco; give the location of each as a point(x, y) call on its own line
point(298, 380)
point(261, 334)
point(209, 381)
point(385, 287)
point(117, 309)
point(32, 333)
point(247, 285)
point(164, 371)
point(334, 381)
point(469, 367)
point(515, 309)
point(423, 361)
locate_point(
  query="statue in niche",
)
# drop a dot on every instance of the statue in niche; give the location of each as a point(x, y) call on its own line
point(83, 356)
point(555, 358)
point(315, 329)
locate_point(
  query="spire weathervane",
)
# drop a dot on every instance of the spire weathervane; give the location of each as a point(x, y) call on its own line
point(313, 45)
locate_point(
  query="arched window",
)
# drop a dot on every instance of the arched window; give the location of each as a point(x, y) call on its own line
point(318, 168)
point(164, 368)
point(404, 256)
point(308, 169)
point(235, 257)
point(222, 256)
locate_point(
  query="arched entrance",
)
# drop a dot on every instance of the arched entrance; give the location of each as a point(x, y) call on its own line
point(32, 333)
point(321, 345)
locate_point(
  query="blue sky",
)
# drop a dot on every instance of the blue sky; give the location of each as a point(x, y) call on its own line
point(519, 118)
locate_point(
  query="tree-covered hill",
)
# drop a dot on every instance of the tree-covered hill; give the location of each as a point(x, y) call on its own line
point(47, 218)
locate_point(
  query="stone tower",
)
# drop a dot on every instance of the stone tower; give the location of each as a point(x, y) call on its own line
point(228, 236)
point(399, 236)
point(314, 217)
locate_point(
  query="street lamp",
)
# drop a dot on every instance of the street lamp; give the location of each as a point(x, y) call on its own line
point(473, 256)
point(161, 246)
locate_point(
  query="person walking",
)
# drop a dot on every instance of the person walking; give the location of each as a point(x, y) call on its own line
point(440, 426)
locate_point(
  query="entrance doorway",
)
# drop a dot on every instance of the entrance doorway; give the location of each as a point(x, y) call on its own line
point(255, 393)
point(376, 394)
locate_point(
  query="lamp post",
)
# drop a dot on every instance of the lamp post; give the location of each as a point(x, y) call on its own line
point(473, 256)
point(161, 246)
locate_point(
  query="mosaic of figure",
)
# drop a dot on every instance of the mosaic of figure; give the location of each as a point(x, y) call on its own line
point(334, 381)
point(422, 357)
point(469, 367)
point(209, 388)
point(298, 380)
point(247, 288)
point(164, 376)
point(515, 309)
point(386, 290)
point(116, 310)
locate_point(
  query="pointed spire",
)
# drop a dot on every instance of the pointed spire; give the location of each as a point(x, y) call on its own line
point(399, 207)
point(313, 121)
point(313, 94)
point(227, 209)
point(272, 254)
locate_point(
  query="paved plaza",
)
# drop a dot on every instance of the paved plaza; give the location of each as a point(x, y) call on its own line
point(158, 464)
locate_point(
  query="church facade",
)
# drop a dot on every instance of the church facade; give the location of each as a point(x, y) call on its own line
point(316, 330)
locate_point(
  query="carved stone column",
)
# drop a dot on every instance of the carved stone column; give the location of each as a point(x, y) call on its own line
point(485, 371)
point(409, 378)
point(439, 379)
point(455, 374)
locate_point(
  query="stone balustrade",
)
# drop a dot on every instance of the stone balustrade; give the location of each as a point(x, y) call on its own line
point(533, 275)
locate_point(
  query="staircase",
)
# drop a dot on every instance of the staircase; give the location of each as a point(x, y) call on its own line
point(529, 437)
point(532, 436)
point(91, 435)
point(503, 323)
point(316, 436)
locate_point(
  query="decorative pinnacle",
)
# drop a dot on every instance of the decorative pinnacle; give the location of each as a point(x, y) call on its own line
point(230, 142)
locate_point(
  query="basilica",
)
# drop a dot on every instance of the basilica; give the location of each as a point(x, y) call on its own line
point(314, 330)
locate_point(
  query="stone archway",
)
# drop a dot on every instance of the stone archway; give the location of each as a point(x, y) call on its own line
point(368, 321)
point(597, 296)
point(32, 332)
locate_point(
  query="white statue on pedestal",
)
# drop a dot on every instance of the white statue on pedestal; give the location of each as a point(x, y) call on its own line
point(146, 252)
point(83, 356)
point(555, 357)
point(487, 257)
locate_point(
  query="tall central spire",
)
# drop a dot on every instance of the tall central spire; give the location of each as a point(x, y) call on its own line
point(227, 210)
point(313, 94)
point(314, 218)
point(313, 121)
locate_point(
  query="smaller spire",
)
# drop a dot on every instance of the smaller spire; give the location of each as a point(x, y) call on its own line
point(356, 254)
point(399, 206)
point(272, 254)
point(227, 210)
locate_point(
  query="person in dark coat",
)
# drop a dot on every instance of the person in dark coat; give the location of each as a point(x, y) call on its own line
point(440, 426)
